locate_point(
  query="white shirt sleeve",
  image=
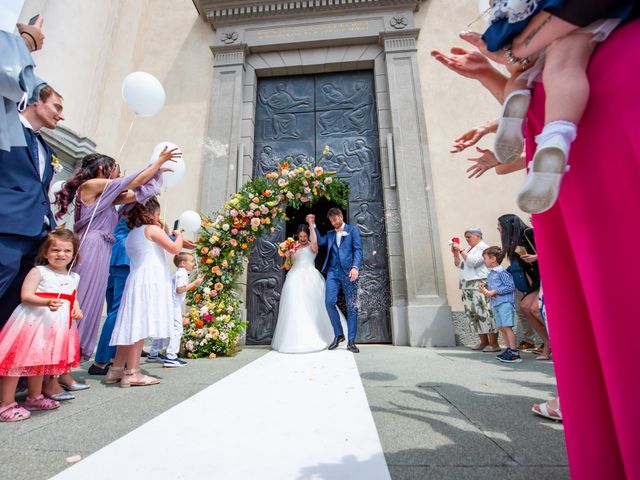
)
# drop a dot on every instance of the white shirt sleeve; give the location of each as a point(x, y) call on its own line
point(180, 279)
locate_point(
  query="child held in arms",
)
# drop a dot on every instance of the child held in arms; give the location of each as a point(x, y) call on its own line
point(500, 290)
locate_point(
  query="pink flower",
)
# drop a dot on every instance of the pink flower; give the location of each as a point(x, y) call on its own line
point(215, 251)
point(318, 171)
point(305, 183)
point(255, 222)
point(328, 180)
point(234, 231)
point(250, 214)
point(307, 190)
point(282, 182)
point(315, 183)
point(233, 213)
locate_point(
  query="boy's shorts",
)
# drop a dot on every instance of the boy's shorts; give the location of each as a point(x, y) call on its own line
point(504, 314)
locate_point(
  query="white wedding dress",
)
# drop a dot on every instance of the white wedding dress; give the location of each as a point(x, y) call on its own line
point(303, 322)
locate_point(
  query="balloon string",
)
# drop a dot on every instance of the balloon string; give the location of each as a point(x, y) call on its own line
point(126, 137)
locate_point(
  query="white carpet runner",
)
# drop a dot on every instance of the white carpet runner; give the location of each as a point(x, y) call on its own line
point(282, 417)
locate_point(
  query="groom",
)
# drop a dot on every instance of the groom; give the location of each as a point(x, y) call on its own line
point(342, 265)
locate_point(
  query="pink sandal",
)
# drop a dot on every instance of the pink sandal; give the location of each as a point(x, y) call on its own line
point(13, 413)
point(41, 403)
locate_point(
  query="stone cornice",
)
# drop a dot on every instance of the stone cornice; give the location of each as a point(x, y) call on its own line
point(68, 145)
point(229, 12)
point(402, 41)
point(228, 55)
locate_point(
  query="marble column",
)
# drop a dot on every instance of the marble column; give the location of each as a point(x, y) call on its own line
point(428, 315)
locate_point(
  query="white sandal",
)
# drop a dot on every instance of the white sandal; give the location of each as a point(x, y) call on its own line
point(548, 412)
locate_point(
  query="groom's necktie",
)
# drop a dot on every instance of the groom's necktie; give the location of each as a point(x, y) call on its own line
point(35, 151)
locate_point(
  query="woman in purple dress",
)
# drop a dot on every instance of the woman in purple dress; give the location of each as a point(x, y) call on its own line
point(97, 188)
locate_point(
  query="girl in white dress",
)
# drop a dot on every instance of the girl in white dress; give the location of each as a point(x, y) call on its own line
point(303, 322)
point(146, 310)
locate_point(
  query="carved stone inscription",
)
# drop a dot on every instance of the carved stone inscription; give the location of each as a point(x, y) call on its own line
point(299, 116)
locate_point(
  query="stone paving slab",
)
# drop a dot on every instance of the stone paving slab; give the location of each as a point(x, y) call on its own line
point(440, 413)
point(455, 413)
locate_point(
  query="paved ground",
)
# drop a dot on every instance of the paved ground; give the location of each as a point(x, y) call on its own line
point(440, 413)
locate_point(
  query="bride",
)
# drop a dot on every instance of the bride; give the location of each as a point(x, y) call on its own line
point(303, 322)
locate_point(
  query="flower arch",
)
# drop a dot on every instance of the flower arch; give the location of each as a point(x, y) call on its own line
point(213, 325)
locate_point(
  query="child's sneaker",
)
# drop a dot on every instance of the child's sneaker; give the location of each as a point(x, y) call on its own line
point(510, 356)
point(174, 362)
point(155, 359)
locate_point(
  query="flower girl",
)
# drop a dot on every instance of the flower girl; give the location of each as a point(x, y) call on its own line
point(41, 337)
point(146, 310)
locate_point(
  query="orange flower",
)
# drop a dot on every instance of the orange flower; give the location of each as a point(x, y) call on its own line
point(218, 286)
point(199, 323)
point(197, 298)
point(244, 246)
point(205, 250)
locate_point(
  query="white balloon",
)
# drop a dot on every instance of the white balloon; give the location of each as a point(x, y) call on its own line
point(143, 93)
point(189, 221)
point(170, 179)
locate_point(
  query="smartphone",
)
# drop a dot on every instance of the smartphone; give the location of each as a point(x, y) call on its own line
point(34, 19)
point(175, 224)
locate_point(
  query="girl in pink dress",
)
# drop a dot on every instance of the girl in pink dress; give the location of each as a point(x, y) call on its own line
point(41, 338)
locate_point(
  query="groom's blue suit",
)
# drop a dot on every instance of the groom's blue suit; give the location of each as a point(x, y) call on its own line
point(337, 265)
point(24, 204)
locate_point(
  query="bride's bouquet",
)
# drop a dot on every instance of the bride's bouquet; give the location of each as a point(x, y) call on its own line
point(287, 248)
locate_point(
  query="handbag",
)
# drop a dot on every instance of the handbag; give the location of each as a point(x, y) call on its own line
point(519, 278)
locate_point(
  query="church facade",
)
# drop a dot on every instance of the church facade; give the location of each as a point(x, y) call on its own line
point(344, 84)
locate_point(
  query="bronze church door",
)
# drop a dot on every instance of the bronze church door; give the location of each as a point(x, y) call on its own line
point(298, 116)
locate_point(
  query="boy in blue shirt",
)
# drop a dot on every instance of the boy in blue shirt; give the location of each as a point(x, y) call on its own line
point(500, 290)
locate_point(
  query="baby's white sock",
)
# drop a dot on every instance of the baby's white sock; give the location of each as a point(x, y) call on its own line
point(559, 134)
